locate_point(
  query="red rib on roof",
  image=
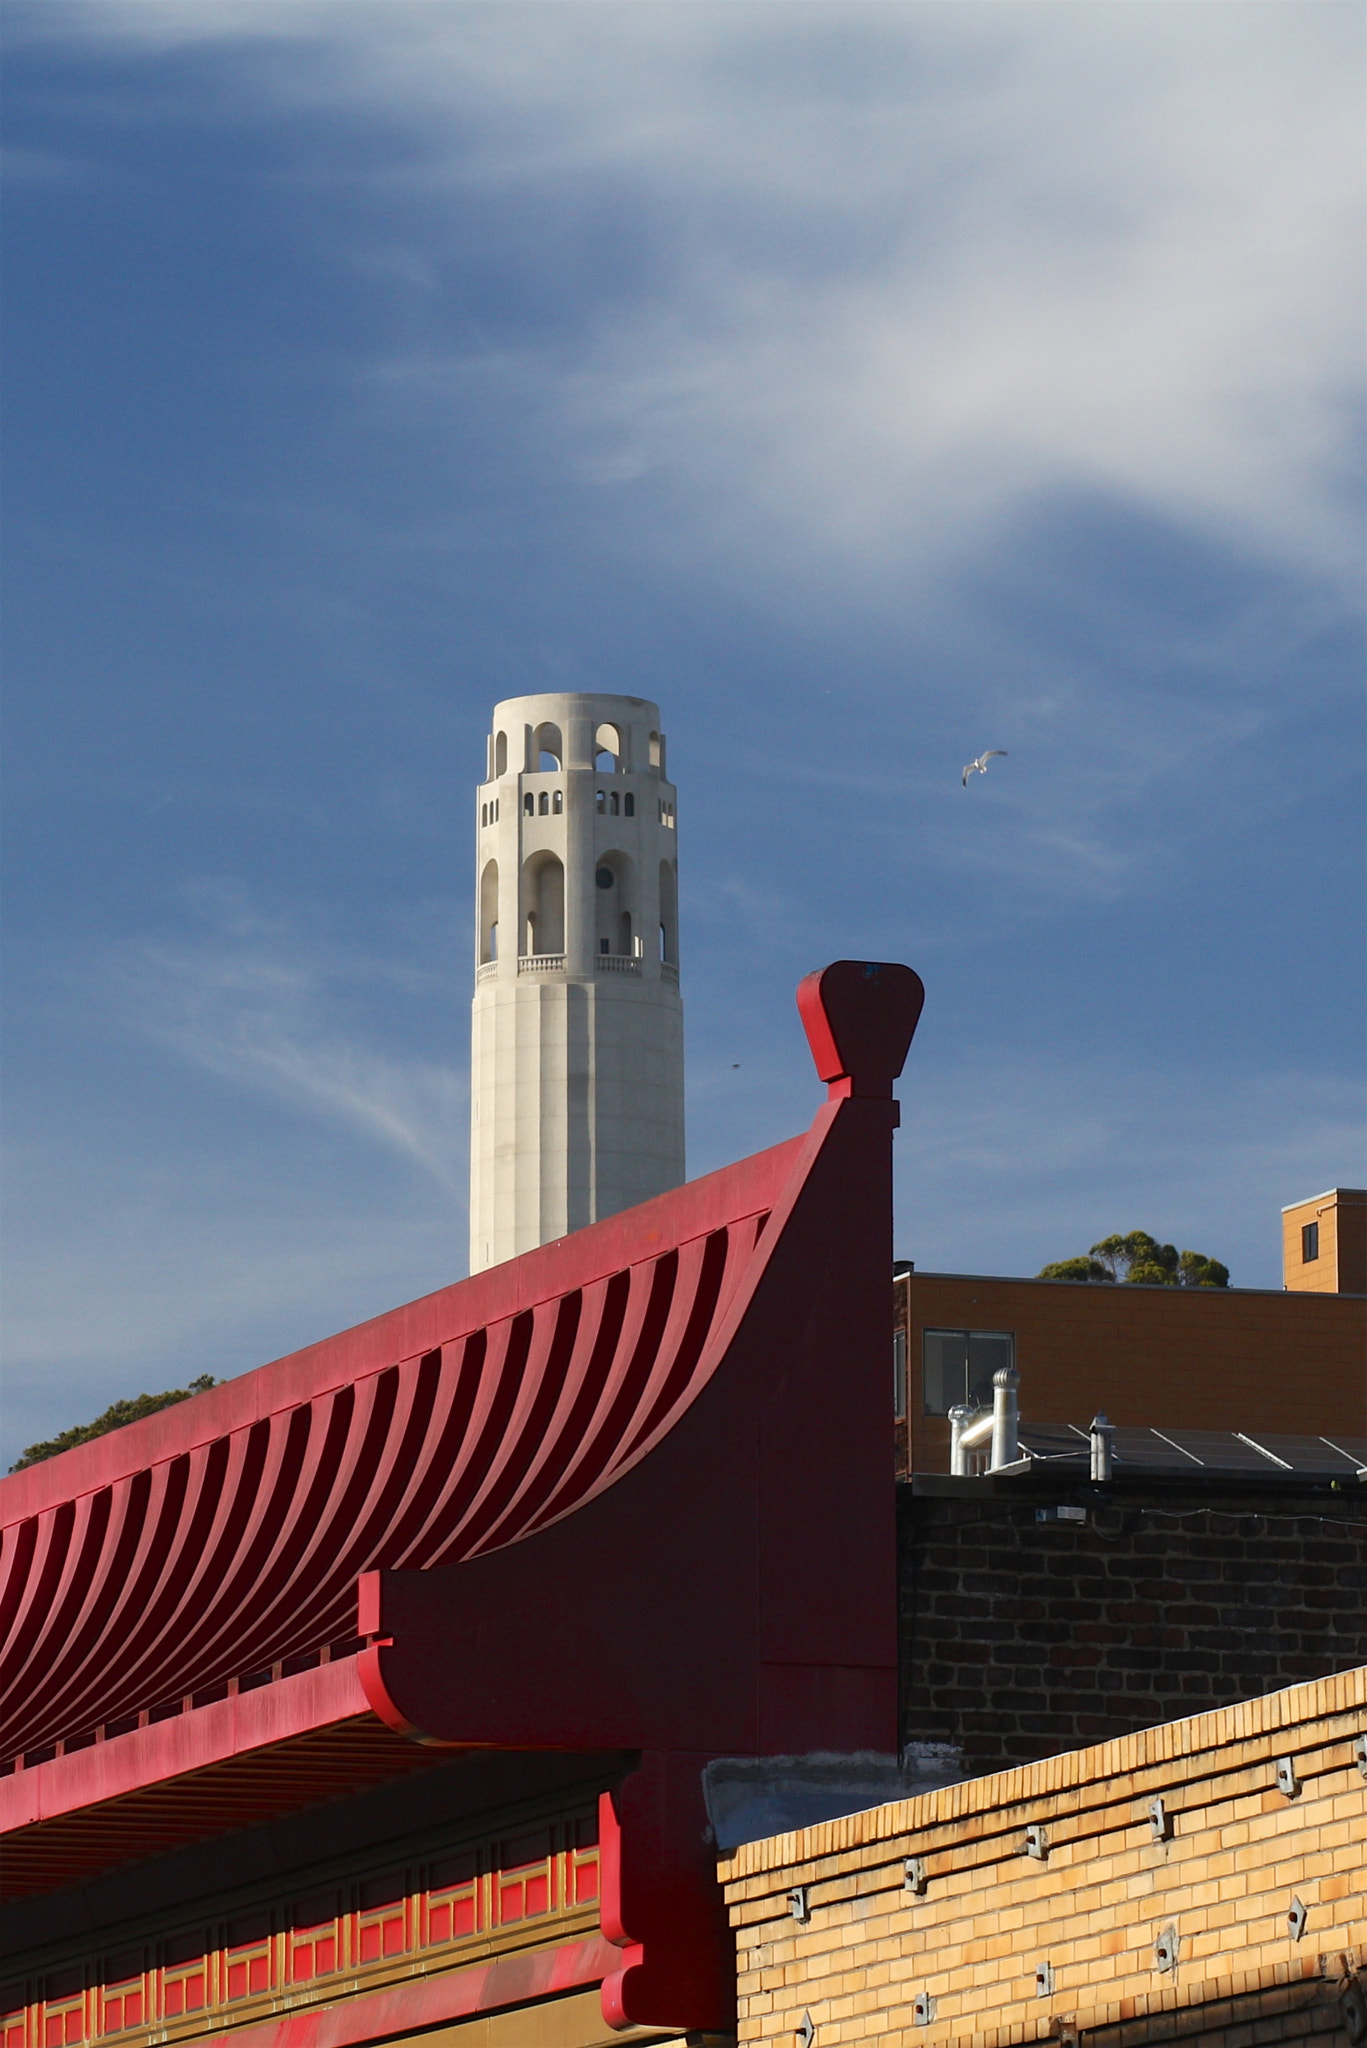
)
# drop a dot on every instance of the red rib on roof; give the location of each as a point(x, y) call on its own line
point(631, 1492)
point(226, 1535)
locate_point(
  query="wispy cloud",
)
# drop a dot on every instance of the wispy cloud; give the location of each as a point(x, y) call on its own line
point(257, 1003)
point(891, 271)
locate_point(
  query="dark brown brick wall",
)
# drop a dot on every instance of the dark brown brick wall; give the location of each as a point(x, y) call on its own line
point(1020, 1638)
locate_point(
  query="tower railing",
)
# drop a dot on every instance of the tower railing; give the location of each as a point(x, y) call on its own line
point(617, 963)
point(541, 963)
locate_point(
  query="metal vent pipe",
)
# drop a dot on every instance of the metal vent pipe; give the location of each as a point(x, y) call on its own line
point(968, 1428)
point(1005, 1418)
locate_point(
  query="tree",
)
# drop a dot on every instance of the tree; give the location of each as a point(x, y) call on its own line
point(114, 1417)
point(1138, 1260)
point(1077, 1269)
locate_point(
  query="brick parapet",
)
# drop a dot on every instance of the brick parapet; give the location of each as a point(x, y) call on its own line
point(1237, 1852)
point(1020, 1638)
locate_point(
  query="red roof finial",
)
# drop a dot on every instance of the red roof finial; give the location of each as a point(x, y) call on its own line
point(859, 1016)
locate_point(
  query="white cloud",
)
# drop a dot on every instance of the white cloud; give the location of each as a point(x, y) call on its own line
point(911, 265)
point(256, 1003)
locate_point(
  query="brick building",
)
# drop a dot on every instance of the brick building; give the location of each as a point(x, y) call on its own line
point(1201, 1881)
point(1039, 1614)
point(1167, 1357)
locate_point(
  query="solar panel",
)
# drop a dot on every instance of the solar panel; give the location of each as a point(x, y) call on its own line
point(1219, 1450)
point(1354, 1447)
point(1193, 1451)
point(1056, 1443)
point(1305, 1453)
point(1147, 1450)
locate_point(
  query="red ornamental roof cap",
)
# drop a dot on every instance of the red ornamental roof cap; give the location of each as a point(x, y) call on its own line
point(859, 1016)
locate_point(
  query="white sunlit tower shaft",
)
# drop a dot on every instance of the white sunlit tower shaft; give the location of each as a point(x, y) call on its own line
point(576, 1060)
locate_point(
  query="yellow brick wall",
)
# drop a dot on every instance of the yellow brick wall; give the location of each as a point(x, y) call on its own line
point(1239, 1851)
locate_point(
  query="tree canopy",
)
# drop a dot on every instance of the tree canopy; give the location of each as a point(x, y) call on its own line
point(1138, 1260)
point(114, 1417)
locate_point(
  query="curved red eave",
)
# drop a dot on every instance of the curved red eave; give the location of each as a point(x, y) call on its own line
point(220, 1538)
point(630, 1493)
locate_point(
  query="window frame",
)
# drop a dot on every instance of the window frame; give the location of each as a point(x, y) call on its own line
point(1007, 1337)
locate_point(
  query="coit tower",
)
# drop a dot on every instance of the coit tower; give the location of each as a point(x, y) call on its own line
point(576, 1062)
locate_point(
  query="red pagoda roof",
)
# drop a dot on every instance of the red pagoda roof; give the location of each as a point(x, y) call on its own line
point(220, 1538)
point(631, 1493)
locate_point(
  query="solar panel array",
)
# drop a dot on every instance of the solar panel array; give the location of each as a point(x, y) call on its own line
point(1173, 1452)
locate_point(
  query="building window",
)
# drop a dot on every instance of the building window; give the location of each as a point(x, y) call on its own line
point(899, 1374)
point(544, 805)
point(529, 804)
point(1310, 1242)
point(629, 805)
point(957, 1367)
point(614, 802)
point(558, 802)
point(600, 804)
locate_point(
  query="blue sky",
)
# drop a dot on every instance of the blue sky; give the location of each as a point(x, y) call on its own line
point(869, 386)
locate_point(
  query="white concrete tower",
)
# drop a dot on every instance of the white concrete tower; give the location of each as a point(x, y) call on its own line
point(576, 1055)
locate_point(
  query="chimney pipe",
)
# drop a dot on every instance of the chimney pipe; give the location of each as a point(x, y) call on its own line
point(968, 1427)
point(1101, 1432)
point(1005, 1443)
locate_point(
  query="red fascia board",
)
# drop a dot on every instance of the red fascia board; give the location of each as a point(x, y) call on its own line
point(551, 1270)
point(434, 2001)
point(184, 1743)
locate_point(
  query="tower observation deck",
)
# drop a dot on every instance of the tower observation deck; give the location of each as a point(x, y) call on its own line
point(576, 1057)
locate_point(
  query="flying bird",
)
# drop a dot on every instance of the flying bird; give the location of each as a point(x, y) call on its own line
point(981, 763)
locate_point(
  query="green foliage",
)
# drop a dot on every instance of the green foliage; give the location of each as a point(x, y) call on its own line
point(114, 1417)
point(1138, 1260)
point(1076, 1269)
point(1195, 1270)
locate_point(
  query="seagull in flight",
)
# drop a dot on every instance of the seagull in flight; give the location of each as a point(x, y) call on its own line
point(980, 765)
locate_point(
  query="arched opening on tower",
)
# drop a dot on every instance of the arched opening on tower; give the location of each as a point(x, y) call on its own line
point(501, 754)
point(488, 912)
point(656, 750)
point(669, 913)
point(548, 751)
point(615, 904)
point(543, 904)
point(607, 749)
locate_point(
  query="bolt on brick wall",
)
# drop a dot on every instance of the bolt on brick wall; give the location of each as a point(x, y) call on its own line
point(1056, 1901)
point(1020, 1638)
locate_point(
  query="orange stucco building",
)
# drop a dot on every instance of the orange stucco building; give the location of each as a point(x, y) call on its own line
point(1161, 1357)
point(1324, 1243)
